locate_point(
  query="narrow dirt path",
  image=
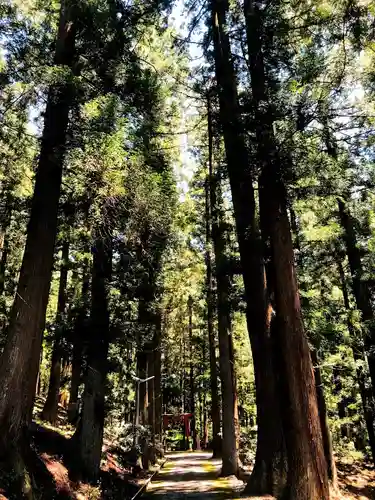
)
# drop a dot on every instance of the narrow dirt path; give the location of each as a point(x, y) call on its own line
point(192, 475)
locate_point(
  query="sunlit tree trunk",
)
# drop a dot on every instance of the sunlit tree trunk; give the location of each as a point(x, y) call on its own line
point(322, 408)
point(307, 471)
point(269, 455)
point(20, 359)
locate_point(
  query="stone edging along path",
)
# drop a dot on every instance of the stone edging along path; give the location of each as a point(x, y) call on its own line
point(145, 485)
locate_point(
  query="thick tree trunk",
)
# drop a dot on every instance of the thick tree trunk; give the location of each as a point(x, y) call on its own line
point(307, 472)
point(50, 409)
point(269, 454)
point(215, 407)
point(227, 376)
point(365, 392)
point(270, 468)
point(20, 359)
point(326, 434)
point(89, 436)
point(235, 396)
point(229, 445)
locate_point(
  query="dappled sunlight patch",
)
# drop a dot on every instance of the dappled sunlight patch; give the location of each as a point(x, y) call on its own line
point(191, 475)
point(356, 481)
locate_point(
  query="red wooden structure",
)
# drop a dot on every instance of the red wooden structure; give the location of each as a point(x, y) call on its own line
point(183, 419)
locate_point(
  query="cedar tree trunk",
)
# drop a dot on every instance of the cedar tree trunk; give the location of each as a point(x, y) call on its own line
point(228, 388)
point(250, 247)
point(215, 407)
point(20, 359)
point(307, 472)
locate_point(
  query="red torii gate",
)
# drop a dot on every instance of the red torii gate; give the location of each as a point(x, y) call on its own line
point(183, 418)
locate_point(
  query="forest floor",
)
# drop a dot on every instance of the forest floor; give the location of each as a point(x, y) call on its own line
point(54, 478)
point(186, 475)
point(193, 475)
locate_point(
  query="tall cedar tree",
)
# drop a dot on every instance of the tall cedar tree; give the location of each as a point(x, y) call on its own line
point(307, 470)
point(215, 408)
point(20, 359)
point(269, 441)
point(322, 407)
point(227, 376)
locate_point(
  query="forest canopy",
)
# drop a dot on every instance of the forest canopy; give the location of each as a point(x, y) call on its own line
point(187, 245)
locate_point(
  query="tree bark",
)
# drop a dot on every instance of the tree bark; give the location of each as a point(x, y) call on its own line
point(270, 470)
point(230, 457)
point(89, 436)
point(20, 359)
point(307, 472)
point(50, 409)
point(326, 434)
point(365, 392)
point(269, 454)
point(215, 407)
